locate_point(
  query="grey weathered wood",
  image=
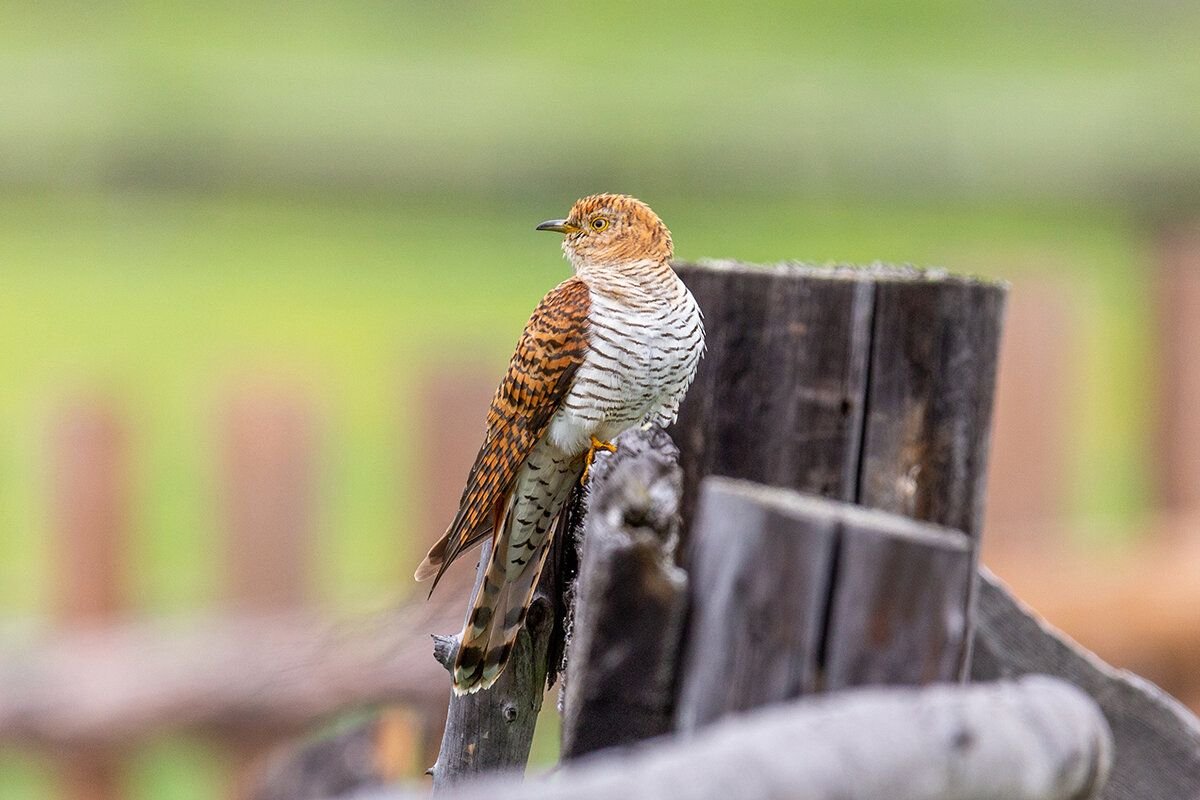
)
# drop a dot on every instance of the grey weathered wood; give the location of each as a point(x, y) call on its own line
point(935, 346)
point(1034, 739)
point(492, 730)
point(1157, 740)
point(793, 593)
point(898, 607)
point(630, 600)
point(779, 394)
point(762, 561)
point(867, 384)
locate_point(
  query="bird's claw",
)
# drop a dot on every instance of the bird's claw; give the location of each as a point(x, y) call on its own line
point(596, 445)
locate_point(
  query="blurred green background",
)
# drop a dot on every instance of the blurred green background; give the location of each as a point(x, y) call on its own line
point(344, 194)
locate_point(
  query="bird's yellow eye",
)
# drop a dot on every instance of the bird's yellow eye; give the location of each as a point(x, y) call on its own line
point(599, 224)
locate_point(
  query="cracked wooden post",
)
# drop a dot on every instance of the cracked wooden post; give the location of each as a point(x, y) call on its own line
point(630, 600)
point(867, 384)
point(935, 349)
point(780, 393)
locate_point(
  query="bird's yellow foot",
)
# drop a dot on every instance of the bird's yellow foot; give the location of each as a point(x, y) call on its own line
point(591, 456)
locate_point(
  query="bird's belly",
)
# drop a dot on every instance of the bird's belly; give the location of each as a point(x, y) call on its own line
point(639, 363)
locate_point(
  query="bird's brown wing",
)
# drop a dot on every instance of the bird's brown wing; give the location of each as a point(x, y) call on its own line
point(539, 376)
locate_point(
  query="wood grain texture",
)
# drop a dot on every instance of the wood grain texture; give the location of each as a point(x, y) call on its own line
point(796, 593)
point(762, 562)
point(1033, 739)
point(1157, 740)
point(873, 385)
point(898, 605)
point(630, 600)
point(779, 394)
point(935, 346)
point(867, 384)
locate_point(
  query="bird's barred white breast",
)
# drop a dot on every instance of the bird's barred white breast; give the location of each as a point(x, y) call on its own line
point(643, 351)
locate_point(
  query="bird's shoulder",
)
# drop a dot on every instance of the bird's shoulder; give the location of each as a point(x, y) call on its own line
point(557, 328)
point(568, 303)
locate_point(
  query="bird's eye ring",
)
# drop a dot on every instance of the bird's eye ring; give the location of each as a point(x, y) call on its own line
point(599, 224)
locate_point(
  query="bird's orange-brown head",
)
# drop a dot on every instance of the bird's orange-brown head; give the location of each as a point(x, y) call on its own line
point(612, 230)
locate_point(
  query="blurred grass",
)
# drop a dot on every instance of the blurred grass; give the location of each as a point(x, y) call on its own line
point(23, 777)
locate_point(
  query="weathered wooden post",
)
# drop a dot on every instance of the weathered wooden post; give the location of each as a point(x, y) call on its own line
point(1176, 287)
point(781, 391)
point(898, 602)
point(761, 565)
point(873, 385)
point(870, 384)
point(630, 600)
point(794, 594)
point(269, 462)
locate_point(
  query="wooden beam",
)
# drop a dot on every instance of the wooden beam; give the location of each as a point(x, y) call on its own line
point(1033, 739)
point(268, 498)
point(898, 602)
point(935, 346)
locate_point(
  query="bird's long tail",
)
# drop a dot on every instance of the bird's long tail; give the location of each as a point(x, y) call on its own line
point(500, 605)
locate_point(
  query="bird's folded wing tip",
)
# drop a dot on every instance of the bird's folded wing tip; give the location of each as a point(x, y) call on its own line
point(426, 571)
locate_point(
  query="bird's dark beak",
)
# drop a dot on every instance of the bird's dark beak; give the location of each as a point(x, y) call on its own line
point(559, 225)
